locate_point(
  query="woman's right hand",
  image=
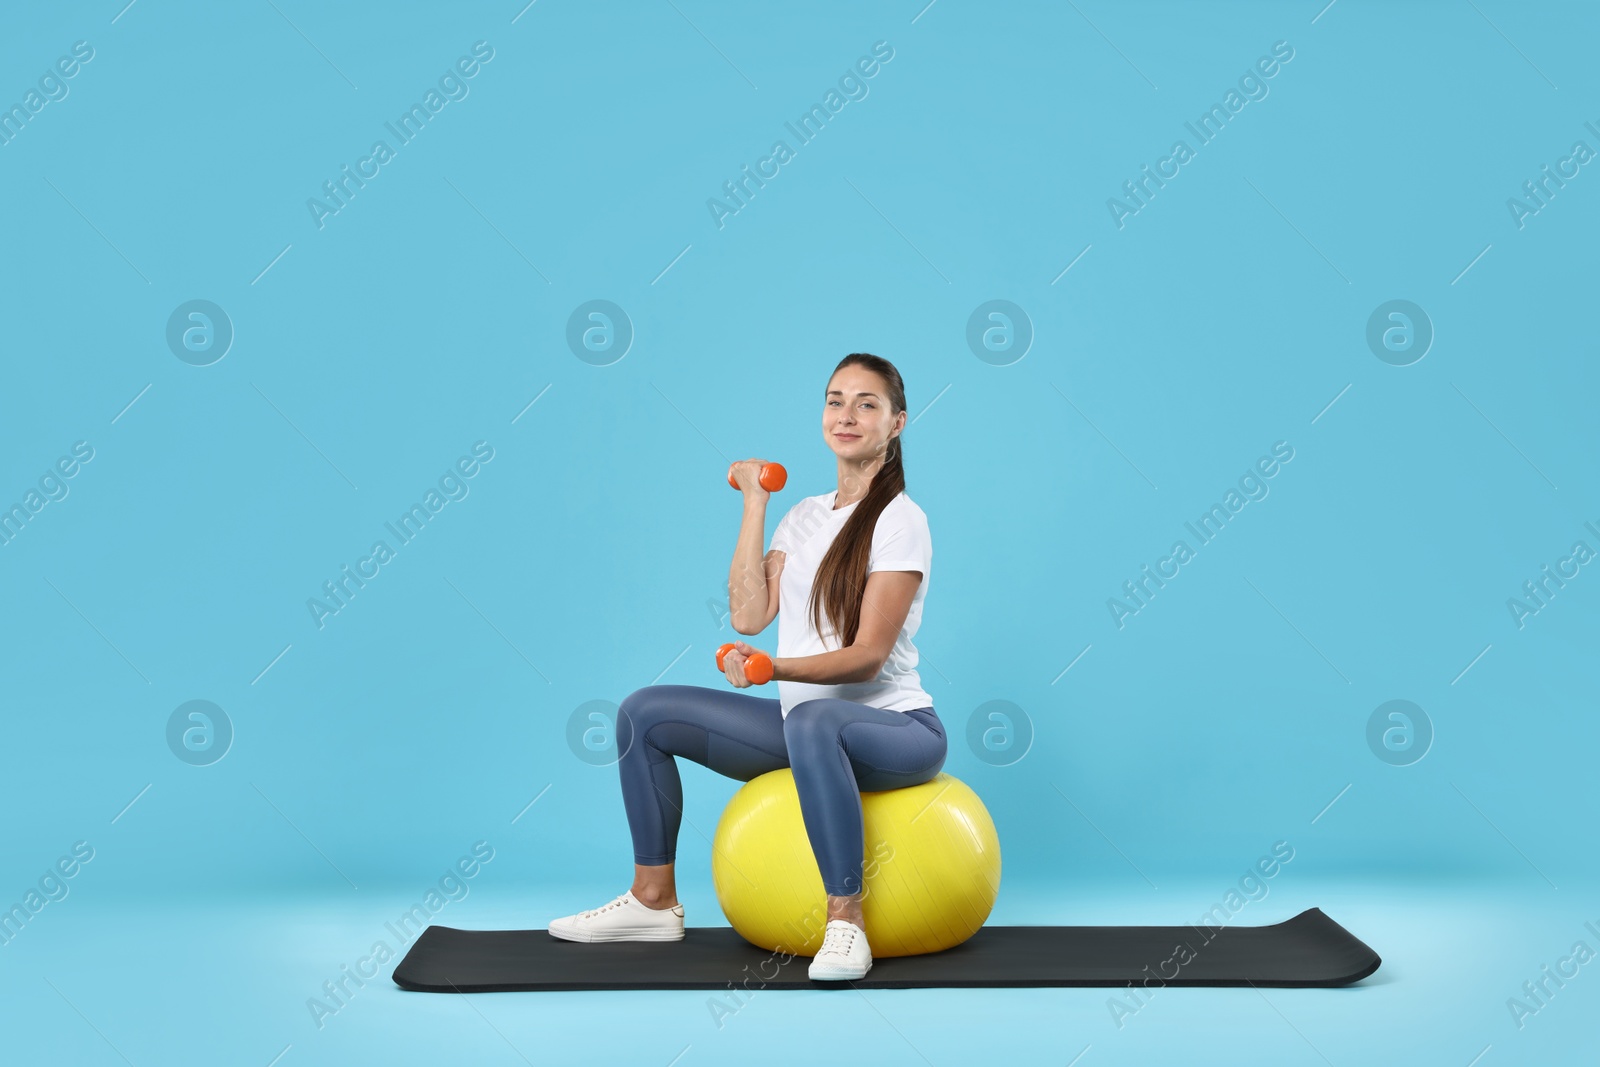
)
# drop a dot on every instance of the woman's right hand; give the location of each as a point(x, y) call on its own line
point(734, 661)
point(747, 473)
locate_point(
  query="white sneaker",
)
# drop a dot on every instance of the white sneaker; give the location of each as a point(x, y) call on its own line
point(623, 919)
point(844, 953)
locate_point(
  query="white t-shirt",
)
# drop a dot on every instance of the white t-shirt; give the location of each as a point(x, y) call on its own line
point(900, 542)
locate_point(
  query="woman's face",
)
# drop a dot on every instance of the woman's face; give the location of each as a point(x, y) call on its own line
point(855, 415)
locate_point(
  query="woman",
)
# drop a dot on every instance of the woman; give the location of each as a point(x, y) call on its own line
point(850, 716)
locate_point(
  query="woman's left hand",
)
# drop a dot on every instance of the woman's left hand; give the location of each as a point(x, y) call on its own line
point(733, 663)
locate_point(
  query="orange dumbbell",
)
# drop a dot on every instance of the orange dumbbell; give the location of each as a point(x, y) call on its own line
point(773, 477)
point(757, 669)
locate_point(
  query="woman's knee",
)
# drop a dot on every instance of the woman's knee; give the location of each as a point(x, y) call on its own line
point(813, 716)
point(813, 725)
point(638, 711)
point(670, 720)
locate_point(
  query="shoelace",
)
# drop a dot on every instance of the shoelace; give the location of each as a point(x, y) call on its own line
point(838, 939)
point(619, 902)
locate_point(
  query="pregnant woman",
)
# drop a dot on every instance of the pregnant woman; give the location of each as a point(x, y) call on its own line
point(845, 577)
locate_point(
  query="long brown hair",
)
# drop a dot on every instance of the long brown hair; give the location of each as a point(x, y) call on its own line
point(842, 575)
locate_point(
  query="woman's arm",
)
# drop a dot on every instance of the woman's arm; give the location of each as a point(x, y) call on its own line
point(885, 603)
point(854, 664)
point(749, 596)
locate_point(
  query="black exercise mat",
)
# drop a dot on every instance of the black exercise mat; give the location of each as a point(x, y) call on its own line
point(1307, 950)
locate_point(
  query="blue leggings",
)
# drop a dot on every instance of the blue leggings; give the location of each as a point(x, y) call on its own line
point(838, 749)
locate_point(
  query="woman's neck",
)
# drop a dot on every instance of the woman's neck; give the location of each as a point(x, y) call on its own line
point(862, 478)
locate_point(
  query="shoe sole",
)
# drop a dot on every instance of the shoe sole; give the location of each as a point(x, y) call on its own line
point(590, 937)
point(836, 976)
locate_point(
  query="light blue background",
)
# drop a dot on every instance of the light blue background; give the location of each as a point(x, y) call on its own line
point(1227, 315)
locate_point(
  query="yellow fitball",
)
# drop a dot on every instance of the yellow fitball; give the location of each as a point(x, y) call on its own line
point(930, 872)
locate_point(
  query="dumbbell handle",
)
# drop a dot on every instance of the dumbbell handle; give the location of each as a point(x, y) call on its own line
point(757, 669)
point(773, 477)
